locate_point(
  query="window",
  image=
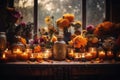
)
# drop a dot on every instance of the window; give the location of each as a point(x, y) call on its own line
point(26, 7)
point(95, 10)
point(57, 8)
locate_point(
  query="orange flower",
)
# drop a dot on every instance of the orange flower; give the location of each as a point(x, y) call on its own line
point(79, 41)
point(63, 23)
point(54, 39)
point(68, 16)
point(37, 48)
point(103, 28)
point(22, 40)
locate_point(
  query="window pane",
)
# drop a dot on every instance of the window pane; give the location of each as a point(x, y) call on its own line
point(57, 8)
point(26, 7)
point(95, 11)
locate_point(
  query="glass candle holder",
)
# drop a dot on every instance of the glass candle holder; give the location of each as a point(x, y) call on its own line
point(101, 54)
point(71, 54)
point(110, 54)
point(93, 51)
point(88, 56)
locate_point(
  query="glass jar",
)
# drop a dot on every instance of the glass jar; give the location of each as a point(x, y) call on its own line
point(59, 49)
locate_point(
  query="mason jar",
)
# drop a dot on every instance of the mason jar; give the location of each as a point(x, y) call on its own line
point(59, 49)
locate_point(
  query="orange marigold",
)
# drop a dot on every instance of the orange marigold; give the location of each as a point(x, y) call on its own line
point(68, 16)
point(63, 23)
point(103, 28)
point(22, 40)
point(54, 39)
point(79, 41)
point(37, 48)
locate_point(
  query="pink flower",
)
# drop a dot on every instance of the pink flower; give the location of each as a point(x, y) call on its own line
point(90, 27)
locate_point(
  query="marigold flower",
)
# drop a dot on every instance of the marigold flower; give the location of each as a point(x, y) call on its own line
point(63, 23)
point(54, 39)
point(79, 41)
point(22, 40)
point(68, 16)
point(37, 48)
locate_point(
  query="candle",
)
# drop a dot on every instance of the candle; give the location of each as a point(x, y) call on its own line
point(32, 58)
point(39, 57)
point(7, 53)
point(47, 54)
point(18, 53)
point(28, 51)
point(110, 54)
point(77, 56)
point(24, 56)
point(83, 57)
point(88, 56)
point(93, 52)
point(71, 54)
point(101, 54)
point(3, 58)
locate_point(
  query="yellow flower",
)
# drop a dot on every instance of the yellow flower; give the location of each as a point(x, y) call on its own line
point(48, 20)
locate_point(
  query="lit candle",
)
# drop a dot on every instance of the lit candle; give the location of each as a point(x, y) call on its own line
point(7, 53)
point(18, 53)
point(47, 54)
point(110, 54)
point(24, 56)
point(77, 56)
point(3, 58)
point(101, 54)
point(32, 58)
point(71, 54)
point(93, 52)
point(88, 56)
point(39, 57)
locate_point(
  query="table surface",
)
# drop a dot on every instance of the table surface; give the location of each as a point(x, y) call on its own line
point(51, 62)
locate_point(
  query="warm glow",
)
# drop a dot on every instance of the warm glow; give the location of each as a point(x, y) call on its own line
point(6, 50)
point(3, 56)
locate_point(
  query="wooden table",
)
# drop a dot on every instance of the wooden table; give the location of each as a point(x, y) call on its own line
point(60, 70)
